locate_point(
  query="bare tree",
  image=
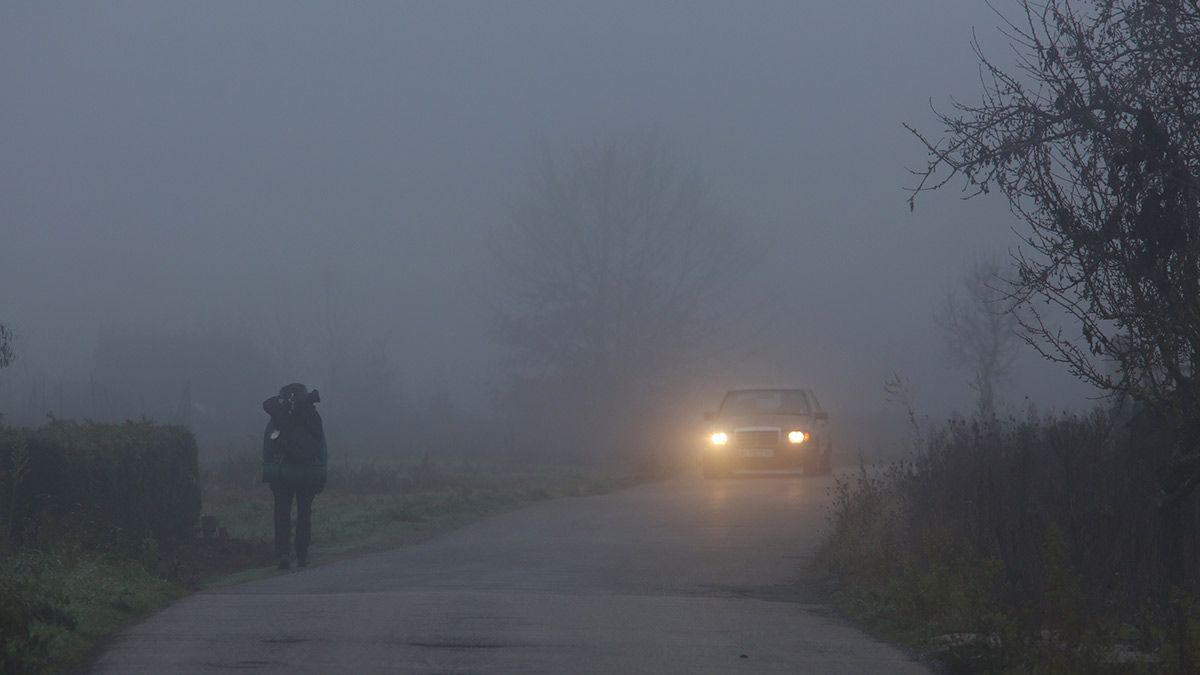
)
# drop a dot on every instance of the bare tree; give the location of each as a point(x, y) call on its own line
point(1093, 137)
point(613, 263)
point(979, 328)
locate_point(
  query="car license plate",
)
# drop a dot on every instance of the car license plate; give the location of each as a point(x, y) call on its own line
point(758, 452)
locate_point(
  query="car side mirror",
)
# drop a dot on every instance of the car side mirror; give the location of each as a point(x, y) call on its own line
point(821, 415)
point(710, 416)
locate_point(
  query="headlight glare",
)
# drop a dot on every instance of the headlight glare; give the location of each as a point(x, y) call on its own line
point(719, 438)
point(796, 437)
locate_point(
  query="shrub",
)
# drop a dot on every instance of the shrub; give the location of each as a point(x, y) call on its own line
point(33, 599)
point(56, 606)
point(99, 484)
point(1038, 537)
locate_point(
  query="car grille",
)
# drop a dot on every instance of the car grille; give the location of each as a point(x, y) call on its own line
point(757, 438)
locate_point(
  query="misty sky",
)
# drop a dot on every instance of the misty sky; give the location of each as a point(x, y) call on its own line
point(210, 167)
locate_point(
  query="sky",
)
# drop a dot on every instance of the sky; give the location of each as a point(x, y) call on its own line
point(223, 167)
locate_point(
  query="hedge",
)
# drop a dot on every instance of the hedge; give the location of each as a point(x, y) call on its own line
point(126, 483)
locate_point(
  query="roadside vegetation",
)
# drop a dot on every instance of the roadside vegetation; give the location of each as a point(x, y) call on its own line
point(1027, 545)
point(90, 518)
point(59, 604)
point(1062, 543)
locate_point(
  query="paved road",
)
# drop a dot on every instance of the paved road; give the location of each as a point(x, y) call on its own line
point(686, 576)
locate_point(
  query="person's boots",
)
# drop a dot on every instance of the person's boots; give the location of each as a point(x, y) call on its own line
point(302, 559)
point(285, 563)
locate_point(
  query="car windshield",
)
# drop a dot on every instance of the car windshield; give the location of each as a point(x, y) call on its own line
point(765, 402)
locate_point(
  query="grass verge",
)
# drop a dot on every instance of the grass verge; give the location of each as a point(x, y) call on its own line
point(348, 520)
point(917, 568)
point(57, 607)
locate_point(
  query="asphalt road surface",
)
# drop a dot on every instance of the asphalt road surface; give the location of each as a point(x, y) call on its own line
point(685, 576)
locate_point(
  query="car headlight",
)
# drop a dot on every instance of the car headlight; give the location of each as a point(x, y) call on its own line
point(719, 438)
point(797, 437)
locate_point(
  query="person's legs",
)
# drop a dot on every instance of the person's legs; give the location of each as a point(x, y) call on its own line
point(283, 523)
point(304, 500)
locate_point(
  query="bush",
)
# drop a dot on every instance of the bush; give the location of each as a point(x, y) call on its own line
point(33, 600)
point(98, 485)
point(55, 607)
point(1039, 538)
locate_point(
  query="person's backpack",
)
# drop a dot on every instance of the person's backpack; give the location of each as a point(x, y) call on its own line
point(297, 436)
point(299, 445)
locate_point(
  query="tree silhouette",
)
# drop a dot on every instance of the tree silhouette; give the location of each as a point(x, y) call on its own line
point(979, 328)
point(1094, 138)
point(612, 264)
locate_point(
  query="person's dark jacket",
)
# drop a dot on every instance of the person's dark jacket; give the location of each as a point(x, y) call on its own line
point(301, 476)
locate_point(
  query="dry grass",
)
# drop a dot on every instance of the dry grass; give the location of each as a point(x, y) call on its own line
point(1037, 539)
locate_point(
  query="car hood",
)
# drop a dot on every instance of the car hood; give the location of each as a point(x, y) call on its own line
point(773, 421)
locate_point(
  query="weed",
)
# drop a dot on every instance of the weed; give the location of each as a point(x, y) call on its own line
point(1019, 544)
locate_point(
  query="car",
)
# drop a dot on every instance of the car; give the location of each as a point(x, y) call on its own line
point(767, 427)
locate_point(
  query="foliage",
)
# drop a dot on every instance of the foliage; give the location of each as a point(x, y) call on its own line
point(1094, 139)
point(84, 509)
point(55, 607)
point(32, 600)
point(1020, 544)
point(98, 485)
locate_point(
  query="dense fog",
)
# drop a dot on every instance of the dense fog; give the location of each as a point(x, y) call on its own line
point(338, 194)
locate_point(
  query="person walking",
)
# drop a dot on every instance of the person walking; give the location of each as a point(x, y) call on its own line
point(295, 460)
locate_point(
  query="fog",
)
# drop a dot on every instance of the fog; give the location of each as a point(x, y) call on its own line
point(308, 174)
